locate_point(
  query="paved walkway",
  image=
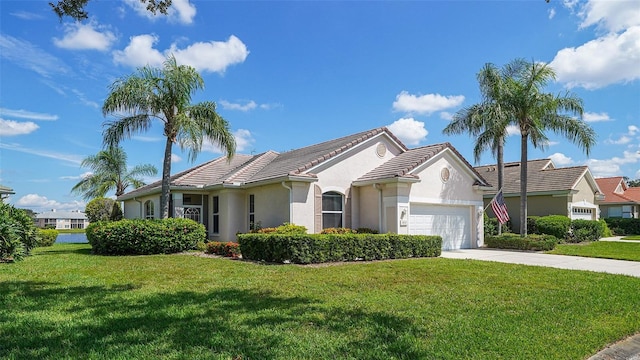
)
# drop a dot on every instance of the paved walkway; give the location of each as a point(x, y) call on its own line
point(627, 349)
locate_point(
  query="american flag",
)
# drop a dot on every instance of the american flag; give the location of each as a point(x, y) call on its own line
point(500, 208)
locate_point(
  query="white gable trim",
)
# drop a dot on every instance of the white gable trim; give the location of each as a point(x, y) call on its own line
point(461, 164)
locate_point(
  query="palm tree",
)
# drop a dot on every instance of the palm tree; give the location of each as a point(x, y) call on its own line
point(165, 94)
point(109, 172)
point(534, 112)
point(487, 121)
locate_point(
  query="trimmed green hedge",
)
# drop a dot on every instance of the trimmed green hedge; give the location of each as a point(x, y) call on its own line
point(514, 241)
point(620, 226)
point(586, 230)
point(46, 237)
point(556, 225)
point(143, 237)
point(319, 248)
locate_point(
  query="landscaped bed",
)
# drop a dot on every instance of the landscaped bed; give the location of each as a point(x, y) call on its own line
point(64, 302)
point(601, 249)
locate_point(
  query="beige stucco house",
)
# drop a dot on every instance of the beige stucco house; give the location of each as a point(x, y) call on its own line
point(619, 200)
point(369, 179)
point(570, 191)
point(62, 219)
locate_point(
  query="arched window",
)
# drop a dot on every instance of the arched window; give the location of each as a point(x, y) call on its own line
point(332, 210)
point(149, 210)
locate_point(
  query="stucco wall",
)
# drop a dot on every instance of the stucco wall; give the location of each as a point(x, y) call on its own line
point(536, 206)
point(585, 192)
point(135, 209)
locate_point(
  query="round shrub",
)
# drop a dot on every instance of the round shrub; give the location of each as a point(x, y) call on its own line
point(144, 237)
point(556, 225)
point(18, 234)
point(46, 237)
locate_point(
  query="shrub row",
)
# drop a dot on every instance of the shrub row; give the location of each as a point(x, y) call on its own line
point(514, 241)
point(566, 229)
point(46, 237)
point(227, 249)
point(319, 248)
point(142, 237)
point(18, 234)
point(620, 226)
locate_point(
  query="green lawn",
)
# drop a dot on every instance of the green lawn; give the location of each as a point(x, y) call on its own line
point(631, 237)
point(65, 303)
point(601, 249)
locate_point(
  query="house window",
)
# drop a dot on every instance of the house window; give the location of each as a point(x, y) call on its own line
point(192, 212)
point(149, 210)
point(332, 210)
point(581, 211)
point(252, 211)
point(627, 211)
point(216, 215)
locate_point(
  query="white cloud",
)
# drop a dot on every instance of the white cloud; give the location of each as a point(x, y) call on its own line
point(42, 203)
point(552, 13)
point(425, 104)
point(70, 158)
point(83, 99)
point(561, 159)
point(77, 177)
point(212, 56)
point(79, 36)
point(611, 16)
point(633, 130)
point(175, 158)
point(621, 141)
point(13, 128)
point(29, 56)
point(446, 115)
point(24, 114)
point(243, 138)
point(148, 138)
point(24, 15)
point(180, 11)
point(139, 52)
point(409, 131)
point(595, 117)
point(513, 130)
point(238, 106)
point(612, 167)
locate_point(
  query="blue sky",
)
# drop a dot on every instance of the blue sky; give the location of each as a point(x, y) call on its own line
point(287, 74)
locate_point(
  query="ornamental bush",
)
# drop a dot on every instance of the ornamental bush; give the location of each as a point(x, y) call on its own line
point(143, 237)
point(338, 231)
point(516, 242)
point(586, 230)
point(620, 226)
point(18, 234)
point(226, 249)
point(556, 225)
point(46, 237)
point(319, 248)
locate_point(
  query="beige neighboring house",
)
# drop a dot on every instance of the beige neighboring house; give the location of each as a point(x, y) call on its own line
point(569, 191)
point(620, 201)
point(5, 192)
point(369, 179)
point(62, 219)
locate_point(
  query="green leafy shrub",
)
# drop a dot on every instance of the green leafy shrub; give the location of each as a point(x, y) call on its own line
point(18, 234)
point(556, 225)
point(285, 228)
point(606, 232)
point(227, 249)
point(201, 246)
point(532, 227)
point(99, 209)
point(491, 226)
point(141, 237)
point(586, 230)
point(338, 231)
point(319, 248)
point(624, 226)
point(46, 237)
point(364, 230)
point(514, 241)
point(116, 212)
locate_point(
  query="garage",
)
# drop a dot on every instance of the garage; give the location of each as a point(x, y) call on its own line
point(453, 223)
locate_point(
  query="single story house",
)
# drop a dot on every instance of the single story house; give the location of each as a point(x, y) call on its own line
point(620, 201)
point(365, 180)
point(5, 192)
point(570, 191)
point(62, 219)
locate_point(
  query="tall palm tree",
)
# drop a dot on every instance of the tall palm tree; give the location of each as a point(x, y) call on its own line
point(165, 95)
point(109, 172)
point(487, 121)
point(534, 112)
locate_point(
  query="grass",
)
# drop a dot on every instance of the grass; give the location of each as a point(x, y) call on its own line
point(631, 237)
point(64, 302)
point(601, 249)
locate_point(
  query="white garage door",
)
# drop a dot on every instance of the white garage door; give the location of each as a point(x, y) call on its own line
point(453, 223)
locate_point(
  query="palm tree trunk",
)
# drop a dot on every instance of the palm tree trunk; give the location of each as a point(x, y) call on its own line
point(524, 142)
point(500, 156)
point(166, 179)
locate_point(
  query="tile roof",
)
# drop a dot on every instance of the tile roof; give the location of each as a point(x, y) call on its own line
point(270, 165)
point(61, 215)
point(609, 186)
point(402, 165)
point(542, 176)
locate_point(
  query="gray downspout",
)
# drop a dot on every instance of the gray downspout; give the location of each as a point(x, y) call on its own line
point(290, 202)
point(139, 202)
point(380, 206)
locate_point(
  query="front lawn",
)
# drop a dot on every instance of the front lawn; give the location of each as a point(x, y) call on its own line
point(65, 303)
point(601, 249)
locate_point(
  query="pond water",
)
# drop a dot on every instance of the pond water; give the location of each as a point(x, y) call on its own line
point(72, 238)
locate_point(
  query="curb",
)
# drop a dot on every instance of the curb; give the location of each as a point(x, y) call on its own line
point(627, 349)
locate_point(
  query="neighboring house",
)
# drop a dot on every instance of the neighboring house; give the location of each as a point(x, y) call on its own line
point(5, 192)
point(62, 219)
point(570, 191)
point(619, 200)
point(369, 179)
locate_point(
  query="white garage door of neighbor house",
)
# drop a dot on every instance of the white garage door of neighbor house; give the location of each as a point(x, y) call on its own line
point(453, 223)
